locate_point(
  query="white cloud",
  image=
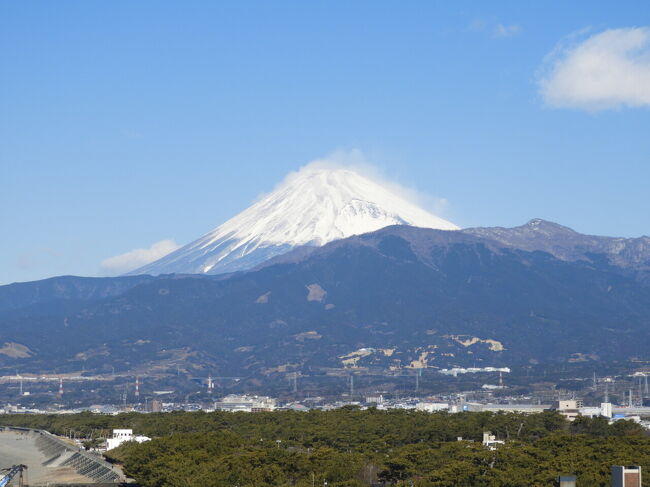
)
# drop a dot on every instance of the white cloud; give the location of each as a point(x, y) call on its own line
point(607, 70)
point(128, 261)
point(499, 30)
point(506, 30)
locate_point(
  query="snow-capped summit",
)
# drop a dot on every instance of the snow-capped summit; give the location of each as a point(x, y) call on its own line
point(313, 206)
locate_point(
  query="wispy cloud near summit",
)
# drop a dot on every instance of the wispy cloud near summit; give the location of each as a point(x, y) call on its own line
point(356, 160)
point(133, 259)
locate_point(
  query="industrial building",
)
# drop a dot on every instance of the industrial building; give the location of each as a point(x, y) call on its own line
point(250, 404)
point(431, 407)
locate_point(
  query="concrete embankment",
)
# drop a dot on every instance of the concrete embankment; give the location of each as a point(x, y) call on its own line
point(54, 462)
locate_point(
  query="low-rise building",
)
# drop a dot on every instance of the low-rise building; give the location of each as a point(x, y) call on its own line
point(626, 476)
point(123, 435)
point(569, 408)
point(512, 408)
point(490, 440)
point(251, 404)
point(375, 399)
point(566, 481)
point(591, 411)
point(431, 407)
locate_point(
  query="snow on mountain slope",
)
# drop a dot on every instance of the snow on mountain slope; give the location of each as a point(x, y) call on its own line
point(312, 207)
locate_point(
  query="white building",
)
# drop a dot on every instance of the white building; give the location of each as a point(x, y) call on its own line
point(248, 404)
point(473, 370)
point(591, 411)
point(606, 409)
point(510, 408)
point(122, 435)
point(375, 399)
point(569, 408)
point(490, 440)
point(431, 407)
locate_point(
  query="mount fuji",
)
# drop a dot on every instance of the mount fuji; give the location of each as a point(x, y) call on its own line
point(313, 206)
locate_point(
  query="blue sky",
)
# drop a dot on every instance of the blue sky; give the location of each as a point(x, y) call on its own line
point(126, 123)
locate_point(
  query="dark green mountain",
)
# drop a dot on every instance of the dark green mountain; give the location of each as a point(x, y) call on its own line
point(401, 296)
point(64, 288)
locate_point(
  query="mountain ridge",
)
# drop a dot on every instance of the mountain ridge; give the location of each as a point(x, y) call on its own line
point(567, 244)
point(537, 235)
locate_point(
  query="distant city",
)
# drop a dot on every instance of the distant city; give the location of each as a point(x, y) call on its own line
point(593, 397)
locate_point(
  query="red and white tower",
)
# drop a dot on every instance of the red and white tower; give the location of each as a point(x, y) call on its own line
point(60, 386)
point(137, 386)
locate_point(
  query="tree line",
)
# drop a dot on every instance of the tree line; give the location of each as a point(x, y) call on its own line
point(352, 447)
